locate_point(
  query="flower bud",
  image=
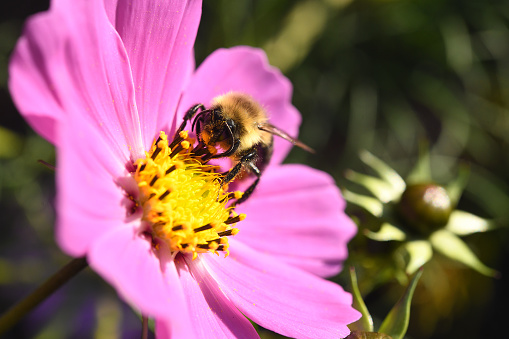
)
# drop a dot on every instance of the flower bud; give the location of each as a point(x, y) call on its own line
point(425, 207)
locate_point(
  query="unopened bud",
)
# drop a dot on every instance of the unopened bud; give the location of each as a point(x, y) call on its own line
point(425, 207)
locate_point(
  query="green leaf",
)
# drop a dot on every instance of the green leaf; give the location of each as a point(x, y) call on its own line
point(366, 322)
point(454, 248)
point(385, 171)
point(370, 204)
point(381, 189)
point(387, 232)
point(420, 252)
point(396, 322)
point(464, 223)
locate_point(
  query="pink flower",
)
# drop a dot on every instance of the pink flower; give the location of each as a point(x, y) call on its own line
point(100, 79)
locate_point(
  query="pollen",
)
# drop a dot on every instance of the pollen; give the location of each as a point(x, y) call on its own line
point(182, 198)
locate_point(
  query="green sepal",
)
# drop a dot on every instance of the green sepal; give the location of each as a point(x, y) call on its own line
point(387, 232)
point(365, 323)
point(381, 189)
point(396, 322)
point(419, 252)
point(464, 223)
point(385, 171)
point(454, 248)
point(372, 205)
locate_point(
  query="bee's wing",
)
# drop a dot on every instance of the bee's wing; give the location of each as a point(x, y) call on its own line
point(280, 133)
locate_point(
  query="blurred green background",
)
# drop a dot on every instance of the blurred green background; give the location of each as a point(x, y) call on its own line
point(380, 75)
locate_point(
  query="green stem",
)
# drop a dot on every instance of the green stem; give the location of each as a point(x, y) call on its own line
point(144, 327)
point(18, 311)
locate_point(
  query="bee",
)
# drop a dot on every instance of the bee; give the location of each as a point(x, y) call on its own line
point(239, 126)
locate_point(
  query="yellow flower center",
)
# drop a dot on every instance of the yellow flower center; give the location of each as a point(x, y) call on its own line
point(182, 197)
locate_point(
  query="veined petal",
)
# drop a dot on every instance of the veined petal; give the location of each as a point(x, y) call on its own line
point(297, 214)
point(214, 316)
point(246, 69)
point(158, 37)
point(90, 201)
point(70, 60)
point(144, 279)
point(280, 297)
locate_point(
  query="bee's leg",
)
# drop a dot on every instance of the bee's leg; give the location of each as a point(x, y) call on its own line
point(188, 116)
point(231, 174)
point(253, 169)
point(247, 161)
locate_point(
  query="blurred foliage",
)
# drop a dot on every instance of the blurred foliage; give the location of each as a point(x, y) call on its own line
point(380, 75)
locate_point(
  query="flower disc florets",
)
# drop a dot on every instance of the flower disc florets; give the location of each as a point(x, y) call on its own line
point(182, 197)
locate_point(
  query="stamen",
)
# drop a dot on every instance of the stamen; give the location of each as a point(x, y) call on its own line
point(203, 228)
point(183, 135)
point(235, 219)
point(164, 195)
point(154, 180)
point(233, 231)
point(204, 246)
point(177, 165)
point(156, 152)
point(182, 146)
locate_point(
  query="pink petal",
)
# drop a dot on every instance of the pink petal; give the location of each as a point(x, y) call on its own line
point(158, 37)
point(280, 297)
point(128, 263)
point(214, 316)
point(70, 60)
point(89, 200)
point(31, 83)
point(247, 70)
point(296, 213)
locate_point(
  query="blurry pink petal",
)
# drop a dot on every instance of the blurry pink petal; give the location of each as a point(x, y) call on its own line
point(32, 81)
point(280, 297)
point(129, 264)
point(245, 69)
point(296, 213)
point(75, 53)
point(89, 201)
point(214, 316)
point(158, 37)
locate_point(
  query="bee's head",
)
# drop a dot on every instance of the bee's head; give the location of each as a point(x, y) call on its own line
point(214, 129)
